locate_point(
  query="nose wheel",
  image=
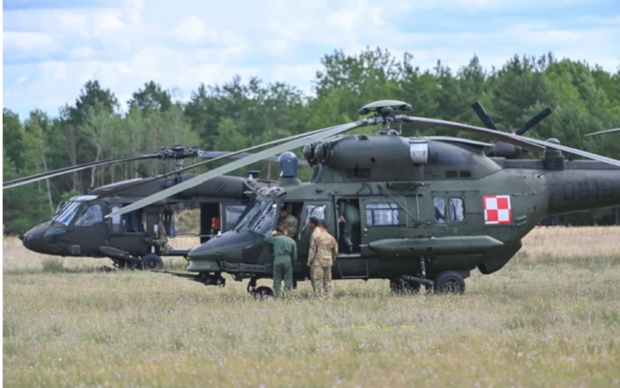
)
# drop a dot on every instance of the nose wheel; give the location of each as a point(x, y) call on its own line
point(152, 262)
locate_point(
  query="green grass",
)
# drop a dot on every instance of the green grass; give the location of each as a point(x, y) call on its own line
point(555, 323)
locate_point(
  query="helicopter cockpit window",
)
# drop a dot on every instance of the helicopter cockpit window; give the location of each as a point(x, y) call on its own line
point(232, 214)
point(66, 214)
point(243, 223)
point(265, 221)
point(440, 210)
point(457, 211)
point(90, 216)
point(382, 214)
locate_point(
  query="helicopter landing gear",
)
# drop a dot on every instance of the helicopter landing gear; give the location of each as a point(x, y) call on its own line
point(402, 286)
point(449, 282)
point(208, 279)
point(152, 262)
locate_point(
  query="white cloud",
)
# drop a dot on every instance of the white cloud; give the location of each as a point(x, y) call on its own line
point(54, 52)
point(192, 30)
point(53, 71)
point(27, 41)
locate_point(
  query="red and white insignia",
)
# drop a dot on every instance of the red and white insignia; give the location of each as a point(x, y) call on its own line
point(497, 209)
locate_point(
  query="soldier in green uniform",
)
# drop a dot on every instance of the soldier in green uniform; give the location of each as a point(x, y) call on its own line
point(285, 257)
point(288, 221)
point(350, 219)
point(323, 253)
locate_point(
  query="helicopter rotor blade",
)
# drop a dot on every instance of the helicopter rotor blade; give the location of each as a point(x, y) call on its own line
point(67, 170)
point(286, 146)
point(228, 155)
point(486, 119)
point(217, 154)
point(533, 121)
point(519, 140)
point(602, 132)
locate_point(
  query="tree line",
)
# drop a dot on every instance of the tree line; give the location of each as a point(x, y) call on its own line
point(238, 113)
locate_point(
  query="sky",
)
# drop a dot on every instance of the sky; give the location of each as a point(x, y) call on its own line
point(52, 48)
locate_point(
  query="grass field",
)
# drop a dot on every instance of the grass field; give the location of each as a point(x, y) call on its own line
point(550, 318)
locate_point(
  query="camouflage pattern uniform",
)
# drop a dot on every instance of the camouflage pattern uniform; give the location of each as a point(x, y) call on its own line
point(290, 224)
point(323, 253)
point(285, 257)
point(351, 220)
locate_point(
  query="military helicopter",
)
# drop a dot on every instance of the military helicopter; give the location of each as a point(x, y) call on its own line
point(138, 239)
point(432, 208)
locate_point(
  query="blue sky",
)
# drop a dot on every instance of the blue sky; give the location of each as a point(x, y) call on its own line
point(51, 48)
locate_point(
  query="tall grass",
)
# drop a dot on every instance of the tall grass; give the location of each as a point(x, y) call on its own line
point(546, 320)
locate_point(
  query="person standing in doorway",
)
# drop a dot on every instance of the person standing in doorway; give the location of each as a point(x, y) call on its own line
point(322, 255)
point(350, 219)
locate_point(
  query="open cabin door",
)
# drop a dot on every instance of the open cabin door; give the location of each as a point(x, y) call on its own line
point(319, 210)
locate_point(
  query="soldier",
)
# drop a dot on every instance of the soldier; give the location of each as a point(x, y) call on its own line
point(350, 219)
point(323, 253)
point(313, 224)
point(285, 257)
point(288, 221)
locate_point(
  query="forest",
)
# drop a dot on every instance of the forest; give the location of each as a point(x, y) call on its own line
point(238, 113)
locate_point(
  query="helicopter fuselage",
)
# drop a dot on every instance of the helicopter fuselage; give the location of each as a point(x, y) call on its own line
point(452, 209)
point(79, 227)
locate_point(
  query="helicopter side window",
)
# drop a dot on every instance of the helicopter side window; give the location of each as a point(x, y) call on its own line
point(317, 211)
point(90, 216)
point(457, 209)
point(440, 210)
point(116, 220)
point(382, 214)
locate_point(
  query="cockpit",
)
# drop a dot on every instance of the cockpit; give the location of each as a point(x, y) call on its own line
point(88, 214)
point(259, 217)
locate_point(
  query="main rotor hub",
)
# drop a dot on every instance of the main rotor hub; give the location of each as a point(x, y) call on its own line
point(385, 111)
point(178, 151)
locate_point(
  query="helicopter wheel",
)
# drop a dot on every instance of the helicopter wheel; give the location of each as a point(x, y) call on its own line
point(401, 286)
point(263, 292)
point(449, 282)
point(152, 262)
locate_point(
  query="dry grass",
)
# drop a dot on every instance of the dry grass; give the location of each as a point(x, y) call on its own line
point(551, 318)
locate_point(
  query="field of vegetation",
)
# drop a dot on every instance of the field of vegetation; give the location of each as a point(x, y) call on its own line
point(550, 318)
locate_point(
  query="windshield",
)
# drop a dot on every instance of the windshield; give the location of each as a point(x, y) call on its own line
point(250, 212)
point(264, 223)
point(66, 213)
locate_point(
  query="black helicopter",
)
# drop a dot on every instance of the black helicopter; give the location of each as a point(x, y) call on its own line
point(432, 208)
point(138, 239)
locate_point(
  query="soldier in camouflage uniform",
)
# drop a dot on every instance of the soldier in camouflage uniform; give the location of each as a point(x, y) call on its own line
point(350, 219)
point(288, 222)
point(285, 257)
point(323, 253)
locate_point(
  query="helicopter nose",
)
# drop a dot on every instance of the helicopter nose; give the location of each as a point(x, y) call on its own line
point(33, 242)
point(222, 247)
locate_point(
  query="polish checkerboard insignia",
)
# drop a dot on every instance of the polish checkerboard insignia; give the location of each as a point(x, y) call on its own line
point(497, 209)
